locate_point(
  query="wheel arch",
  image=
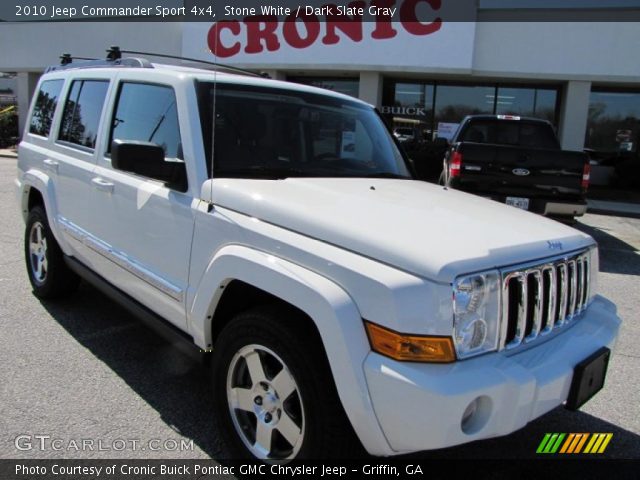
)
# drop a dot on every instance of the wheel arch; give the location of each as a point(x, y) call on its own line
point(38, 189)
point(329, 308)
point(34, 198)
point(239, 296)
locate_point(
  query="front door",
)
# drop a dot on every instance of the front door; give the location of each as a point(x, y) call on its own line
point(142, 228)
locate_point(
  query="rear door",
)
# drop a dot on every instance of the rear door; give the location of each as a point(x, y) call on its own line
point(143, 228)
point(71, 157)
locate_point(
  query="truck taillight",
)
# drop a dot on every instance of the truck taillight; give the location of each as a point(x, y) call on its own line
point(586, 174)
point(455, 165)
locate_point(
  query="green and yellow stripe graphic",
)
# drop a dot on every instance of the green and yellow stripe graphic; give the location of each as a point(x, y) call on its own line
point(574, 443)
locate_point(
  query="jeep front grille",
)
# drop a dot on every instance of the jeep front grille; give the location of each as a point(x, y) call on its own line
point(540, 298)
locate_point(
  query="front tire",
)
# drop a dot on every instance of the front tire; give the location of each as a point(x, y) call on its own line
point(273, 390)
point(49, 275)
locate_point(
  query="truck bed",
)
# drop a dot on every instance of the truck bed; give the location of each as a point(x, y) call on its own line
point(536, 175)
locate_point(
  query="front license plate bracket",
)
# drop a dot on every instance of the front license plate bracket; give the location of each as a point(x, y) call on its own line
point(588, 378)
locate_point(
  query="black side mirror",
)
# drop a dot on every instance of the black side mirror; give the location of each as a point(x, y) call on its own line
point(147, 159)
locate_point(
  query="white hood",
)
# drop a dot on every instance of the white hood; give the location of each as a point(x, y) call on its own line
point(415, 226)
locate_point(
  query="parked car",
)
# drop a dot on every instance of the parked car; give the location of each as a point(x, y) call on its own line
point(517, 161)
point(404, 134)
point(338, 301)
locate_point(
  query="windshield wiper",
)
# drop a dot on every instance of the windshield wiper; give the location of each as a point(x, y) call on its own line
point(387, 175)
point(259, 171)
point(280, 173)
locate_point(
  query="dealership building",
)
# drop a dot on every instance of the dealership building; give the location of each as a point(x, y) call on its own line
point(425, 68)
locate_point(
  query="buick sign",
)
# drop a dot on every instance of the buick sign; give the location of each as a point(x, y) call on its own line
point(521, 172)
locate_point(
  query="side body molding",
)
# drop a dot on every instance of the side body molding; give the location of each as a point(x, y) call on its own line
point(329, 306)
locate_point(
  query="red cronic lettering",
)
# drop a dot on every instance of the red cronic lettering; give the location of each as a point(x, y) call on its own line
point(409, 18)
point(352, 27)
point(384, 28)
point(215, 43)
point(292, 35)
point(261, 28)
point(263, 31)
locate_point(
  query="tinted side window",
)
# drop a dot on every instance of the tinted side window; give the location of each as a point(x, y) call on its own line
point(45, 107)
point(82, 112)
point(148, 113)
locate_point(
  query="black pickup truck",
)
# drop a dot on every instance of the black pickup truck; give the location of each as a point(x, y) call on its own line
point(517, 161)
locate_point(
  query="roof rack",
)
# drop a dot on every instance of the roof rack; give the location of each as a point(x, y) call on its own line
point(114, 59)
point(195, 60)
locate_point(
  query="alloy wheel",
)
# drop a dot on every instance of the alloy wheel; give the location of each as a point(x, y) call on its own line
point(265, 404)
point(38, 253)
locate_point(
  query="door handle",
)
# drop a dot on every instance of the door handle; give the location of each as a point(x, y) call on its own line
point(51, 165)
point(102, 185)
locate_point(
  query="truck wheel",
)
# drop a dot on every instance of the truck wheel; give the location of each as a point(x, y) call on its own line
point(49, 275)
point(274, 394)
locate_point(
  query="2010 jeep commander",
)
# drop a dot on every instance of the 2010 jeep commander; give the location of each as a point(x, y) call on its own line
point(279, 227)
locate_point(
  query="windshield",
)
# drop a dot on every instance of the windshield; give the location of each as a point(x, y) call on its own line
point(277, 133)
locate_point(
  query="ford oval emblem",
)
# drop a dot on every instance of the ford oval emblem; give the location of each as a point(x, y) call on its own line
point(521, 172)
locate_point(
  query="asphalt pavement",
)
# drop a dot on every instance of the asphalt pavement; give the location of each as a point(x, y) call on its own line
point(85, 370)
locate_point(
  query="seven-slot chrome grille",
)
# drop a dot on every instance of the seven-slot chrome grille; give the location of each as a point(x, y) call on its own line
point(537, 299)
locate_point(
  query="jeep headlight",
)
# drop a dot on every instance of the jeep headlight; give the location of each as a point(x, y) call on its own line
point(476, 313)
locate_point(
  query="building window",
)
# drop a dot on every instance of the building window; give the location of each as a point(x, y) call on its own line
point(436, 108)
point(82, 112)
point(45, 107)
point(420, 112)
point(411, 112)
point(454, 102)
point(415, 95)
point(527, 102)
point(614, 122)
point(348, 86)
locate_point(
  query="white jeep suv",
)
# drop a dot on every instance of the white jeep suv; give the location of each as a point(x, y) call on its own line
point(278, 227)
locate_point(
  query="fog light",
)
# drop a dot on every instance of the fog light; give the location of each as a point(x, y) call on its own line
point(476, 415)
point(468, 413)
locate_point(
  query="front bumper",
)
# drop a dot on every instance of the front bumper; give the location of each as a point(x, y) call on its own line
point(571, 208)
point(566, 209)
point(421, 406)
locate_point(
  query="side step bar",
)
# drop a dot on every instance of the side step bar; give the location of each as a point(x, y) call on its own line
point(173, 335)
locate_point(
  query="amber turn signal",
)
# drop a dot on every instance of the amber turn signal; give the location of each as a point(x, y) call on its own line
point(411, 348)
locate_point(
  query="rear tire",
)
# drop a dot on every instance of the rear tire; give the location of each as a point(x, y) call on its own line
point(48, 273)
point(274, 395)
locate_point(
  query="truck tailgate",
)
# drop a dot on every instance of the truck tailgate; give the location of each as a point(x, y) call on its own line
point(520, 171)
